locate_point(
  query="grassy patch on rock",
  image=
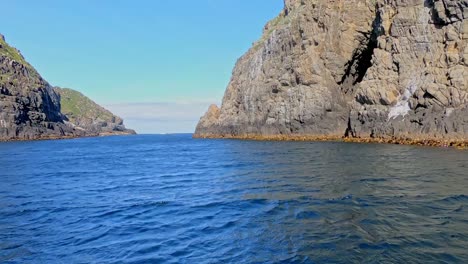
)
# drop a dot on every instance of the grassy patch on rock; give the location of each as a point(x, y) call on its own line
point(9, 51)
point(76, 105)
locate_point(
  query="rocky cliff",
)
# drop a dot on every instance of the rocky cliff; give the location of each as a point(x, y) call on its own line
point(352, 68)
point(84, 114)
point(29, 106)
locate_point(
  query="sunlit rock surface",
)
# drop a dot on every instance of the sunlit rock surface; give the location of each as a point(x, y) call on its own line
point(360, 69)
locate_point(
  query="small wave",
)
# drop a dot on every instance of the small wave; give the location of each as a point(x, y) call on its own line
point(93, 238)
point(222, 227)
point(307, 215)
point(454, 198)
point(374, 180)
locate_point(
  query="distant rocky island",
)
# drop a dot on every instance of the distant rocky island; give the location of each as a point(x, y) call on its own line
point(360, 70)
point(30, 108)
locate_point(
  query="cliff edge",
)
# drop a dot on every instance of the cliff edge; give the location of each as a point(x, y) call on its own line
point(356, 69)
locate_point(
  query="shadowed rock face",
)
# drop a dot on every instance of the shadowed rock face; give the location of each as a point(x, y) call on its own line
point(29, 105)
point(359, 68)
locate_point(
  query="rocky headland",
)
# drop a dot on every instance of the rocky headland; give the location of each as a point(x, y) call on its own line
point(84, 114)
point(30, 108)
point(392, 71)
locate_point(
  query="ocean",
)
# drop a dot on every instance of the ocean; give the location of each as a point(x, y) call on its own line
point(174, 199)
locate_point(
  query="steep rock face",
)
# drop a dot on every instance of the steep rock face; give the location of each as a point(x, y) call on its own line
point(29, 107)
point(84, 114)
point(417, 82)
point(361, 68)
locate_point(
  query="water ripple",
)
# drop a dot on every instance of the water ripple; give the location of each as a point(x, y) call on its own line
point(172, 199)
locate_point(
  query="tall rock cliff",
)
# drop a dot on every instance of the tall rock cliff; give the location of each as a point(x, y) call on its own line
point(29, 106)
point(355, 68)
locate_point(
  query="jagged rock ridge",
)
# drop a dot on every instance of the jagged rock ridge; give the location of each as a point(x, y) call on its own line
point(29, 106)
point(360, 68)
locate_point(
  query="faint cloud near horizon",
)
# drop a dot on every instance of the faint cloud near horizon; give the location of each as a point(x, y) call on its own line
point(160, 117)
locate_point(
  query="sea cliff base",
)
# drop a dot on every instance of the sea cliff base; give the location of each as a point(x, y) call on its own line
point(455, 143)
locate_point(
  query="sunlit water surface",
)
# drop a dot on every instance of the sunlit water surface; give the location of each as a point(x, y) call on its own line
point(172, 199)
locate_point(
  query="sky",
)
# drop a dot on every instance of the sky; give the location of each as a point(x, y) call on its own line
point(158, 64)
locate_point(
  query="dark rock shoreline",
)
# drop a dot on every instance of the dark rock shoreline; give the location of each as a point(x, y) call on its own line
point(49, 137)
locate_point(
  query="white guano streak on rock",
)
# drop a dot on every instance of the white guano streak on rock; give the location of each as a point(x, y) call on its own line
point(402, 106)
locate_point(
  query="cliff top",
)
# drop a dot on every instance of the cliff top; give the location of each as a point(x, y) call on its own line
point(10, 52)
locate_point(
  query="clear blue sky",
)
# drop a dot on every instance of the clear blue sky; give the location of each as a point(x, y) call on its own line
point(121, 52)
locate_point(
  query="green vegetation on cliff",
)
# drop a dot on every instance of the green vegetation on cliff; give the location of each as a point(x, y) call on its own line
point(12, 53)
point(76, 105)
point(7, 50)
point(86, 115)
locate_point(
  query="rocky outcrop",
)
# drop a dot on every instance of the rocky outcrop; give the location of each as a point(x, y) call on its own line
point(85, 115)
point(29, 106)
point(357, 69)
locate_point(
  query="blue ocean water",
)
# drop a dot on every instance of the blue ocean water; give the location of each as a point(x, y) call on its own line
point(173, 199)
